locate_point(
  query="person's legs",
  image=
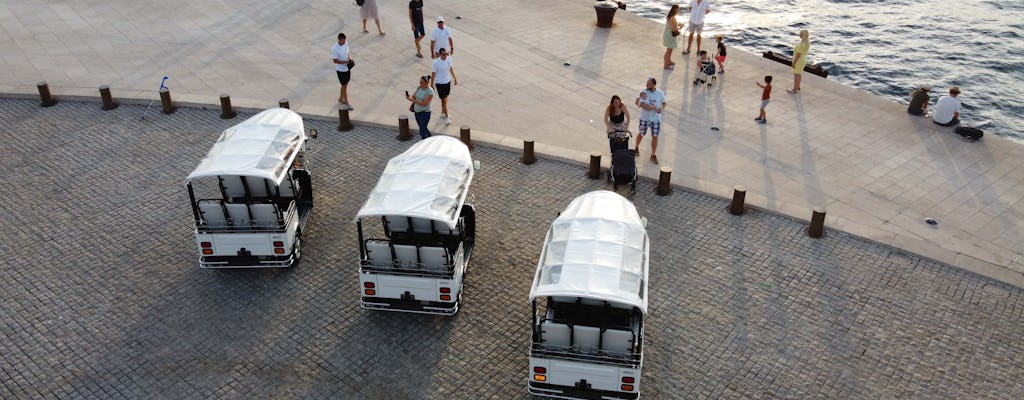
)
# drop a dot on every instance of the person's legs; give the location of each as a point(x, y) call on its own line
point(655, 131)
point(698, 41)
point(689, 41)
point(668, 57)
point(796, 83)
point(343, 78)
point(378, 26)
point(364, 26)
point(640, 136)
point(915, 111)
point(422, 119)
point(418, 35)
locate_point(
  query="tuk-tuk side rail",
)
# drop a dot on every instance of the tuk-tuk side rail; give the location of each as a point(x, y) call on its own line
point(416, 271)
point(218, 215)
point(382, 253)
point(631, 360)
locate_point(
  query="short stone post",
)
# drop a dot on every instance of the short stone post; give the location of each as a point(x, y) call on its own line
point(45, 99)
point(528, 157)
point(283, 103)
point(665, 182)
point(226, 112)
point(817, 228)
point(594, 172)
point(165, 101)
point(403, 128)
point(464, 136)
point(108, 100)
point(344, 124)
point(739, 194)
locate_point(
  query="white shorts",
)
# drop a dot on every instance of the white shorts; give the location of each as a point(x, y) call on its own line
point(692, 27)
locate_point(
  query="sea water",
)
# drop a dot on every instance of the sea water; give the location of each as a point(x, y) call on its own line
point(889, 47)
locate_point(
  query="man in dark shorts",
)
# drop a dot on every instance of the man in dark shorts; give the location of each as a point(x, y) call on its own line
point(341, 56)
point(416, 18)
point(443, 77)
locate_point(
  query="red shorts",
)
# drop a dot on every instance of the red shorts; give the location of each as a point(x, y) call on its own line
point(720, 59)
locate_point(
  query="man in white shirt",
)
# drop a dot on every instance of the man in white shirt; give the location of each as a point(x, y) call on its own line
point(342, 56)
point(698, 9)
point(947, 109)
point(441, 38)
point(443, 76)
point(652, 102)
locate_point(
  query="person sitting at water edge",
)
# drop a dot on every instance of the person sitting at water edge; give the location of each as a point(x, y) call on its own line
point(919, 101)
point(947, 109)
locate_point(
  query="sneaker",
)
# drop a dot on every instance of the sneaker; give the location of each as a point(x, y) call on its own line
point(447, 119)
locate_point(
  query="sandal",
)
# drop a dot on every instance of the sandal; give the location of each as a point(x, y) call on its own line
point(654, 159)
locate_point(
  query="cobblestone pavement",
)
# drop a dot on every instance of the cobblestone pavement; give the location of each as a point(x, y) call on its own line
point(101, 296)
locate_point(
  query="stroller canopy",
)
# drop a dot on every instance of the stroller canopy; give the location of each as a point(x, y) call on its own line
point(429, 180)
point(263, 146)
point(597, 248)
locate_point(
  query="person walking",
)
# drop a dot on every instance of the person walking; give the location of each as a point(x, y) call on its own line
point(421, 105)
point(698, 9)
point(800, 60)
point(669, 38)
point(443, 75)
point(947, 109)
point(766, 96)
point(342, 57)
point(651, 102)
point(416, 19)
point(720, 57)
point(441, 38)
point(919, 101)
point(616, 123)
point(369, 11)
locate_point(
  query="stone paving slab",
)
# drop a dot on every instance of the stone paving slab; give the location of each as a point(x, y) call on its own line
point(102, 297)
point(877, 171)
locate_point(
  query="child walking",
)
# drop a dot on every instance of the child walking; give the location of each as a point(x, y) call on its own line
point(766, 96)
point(721, 54)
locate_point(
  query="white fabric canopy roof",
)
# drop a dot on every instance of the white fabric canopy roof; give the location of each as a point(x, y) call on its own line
point(597, 248)
point(429, 180)
point(262, 146)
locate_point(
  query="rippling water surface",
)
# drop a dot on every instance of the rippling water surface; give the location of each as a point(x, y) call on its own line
point(888, 47)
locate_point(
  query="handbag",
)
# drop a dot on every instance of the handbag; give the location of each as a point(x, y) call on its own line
point(675, 33)
point(411, 109)
point(360, 2)
point(351, 64)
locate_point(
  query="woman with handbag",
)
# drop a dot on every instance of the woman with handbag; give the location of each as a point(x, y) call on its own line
point(672, 28)
point(421, 105)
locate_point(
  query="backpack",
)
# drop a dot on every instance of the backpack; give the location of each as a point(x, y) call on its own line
point(360, 2)
point(968, 133)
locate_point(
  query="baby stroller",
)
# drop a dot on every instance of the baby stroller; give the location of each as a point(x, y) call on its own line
point(705, 73)
point(623, 170)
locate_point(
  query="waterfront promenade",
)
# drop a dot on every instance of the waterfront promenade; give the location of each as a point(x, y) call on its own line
point(877, 171)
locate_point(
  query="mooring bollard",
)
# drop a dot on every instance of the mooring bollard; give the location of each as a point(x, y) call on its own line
point(528, 157)
point(665, 182)
point(594, 171)
point(817, 228)
point(739, 194)
point(108, 100)
point(283, 103)
point(403, 128)
point(165, 100)
point(344, 124)
point(226, 112)
point(464, 136)
point(45, 99)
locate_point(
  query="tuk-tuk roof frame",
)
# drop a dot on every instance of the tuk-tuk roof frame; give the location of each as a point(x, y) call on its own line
point(597, 248)
point(429, 180)
point(263, 146)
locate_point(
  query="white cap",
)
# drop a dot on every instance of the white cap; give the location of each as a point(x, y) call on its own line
point(440, 19)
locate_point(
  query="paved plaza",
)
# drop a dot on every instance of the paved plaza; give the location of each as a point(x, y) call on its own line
point(101, 296)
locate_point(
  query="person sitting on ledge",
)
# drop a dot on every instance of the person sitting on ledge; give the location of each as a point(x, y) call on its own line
point(947, 109)
point(919, 101)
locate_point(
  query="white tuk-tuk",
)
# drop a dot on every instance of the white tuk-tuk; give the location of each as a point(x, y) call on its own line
point(587, 340)
point(428, 229)
point(251, 195)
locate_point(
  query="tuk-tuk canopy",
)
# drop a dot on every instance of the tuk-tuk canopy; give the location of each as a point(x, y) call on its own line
point(263, 146)
point(429, 180)
point(597, 248)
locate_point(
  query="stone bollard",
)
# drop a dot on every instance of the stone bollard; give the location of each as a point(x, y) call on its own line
point(594, 172)
point(403, 128)
point(108, 100)
point(464, 136)
point(45, 99)
point(283, 103)
point(344, 124)
point(817, 228)
point(739, 194)
point(528, 157)
point(665, 182)
point(605, 13)
point(226, 112)
point(165, 101)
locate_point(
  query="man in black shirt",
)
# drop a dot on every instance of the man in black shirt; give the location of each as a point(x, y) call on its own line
point(416, 18)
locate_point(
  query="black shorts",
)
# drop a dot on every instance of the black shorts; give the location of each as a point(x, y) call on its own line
point(443, 89)
point(343, 77)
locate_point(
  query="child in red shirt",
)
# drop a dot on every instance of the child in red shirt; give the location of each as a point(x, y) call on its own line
point(766, 96)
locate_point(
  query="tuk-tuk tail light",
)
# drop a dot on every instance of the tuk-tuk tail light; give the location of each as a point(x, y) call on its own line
point(627, 387)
